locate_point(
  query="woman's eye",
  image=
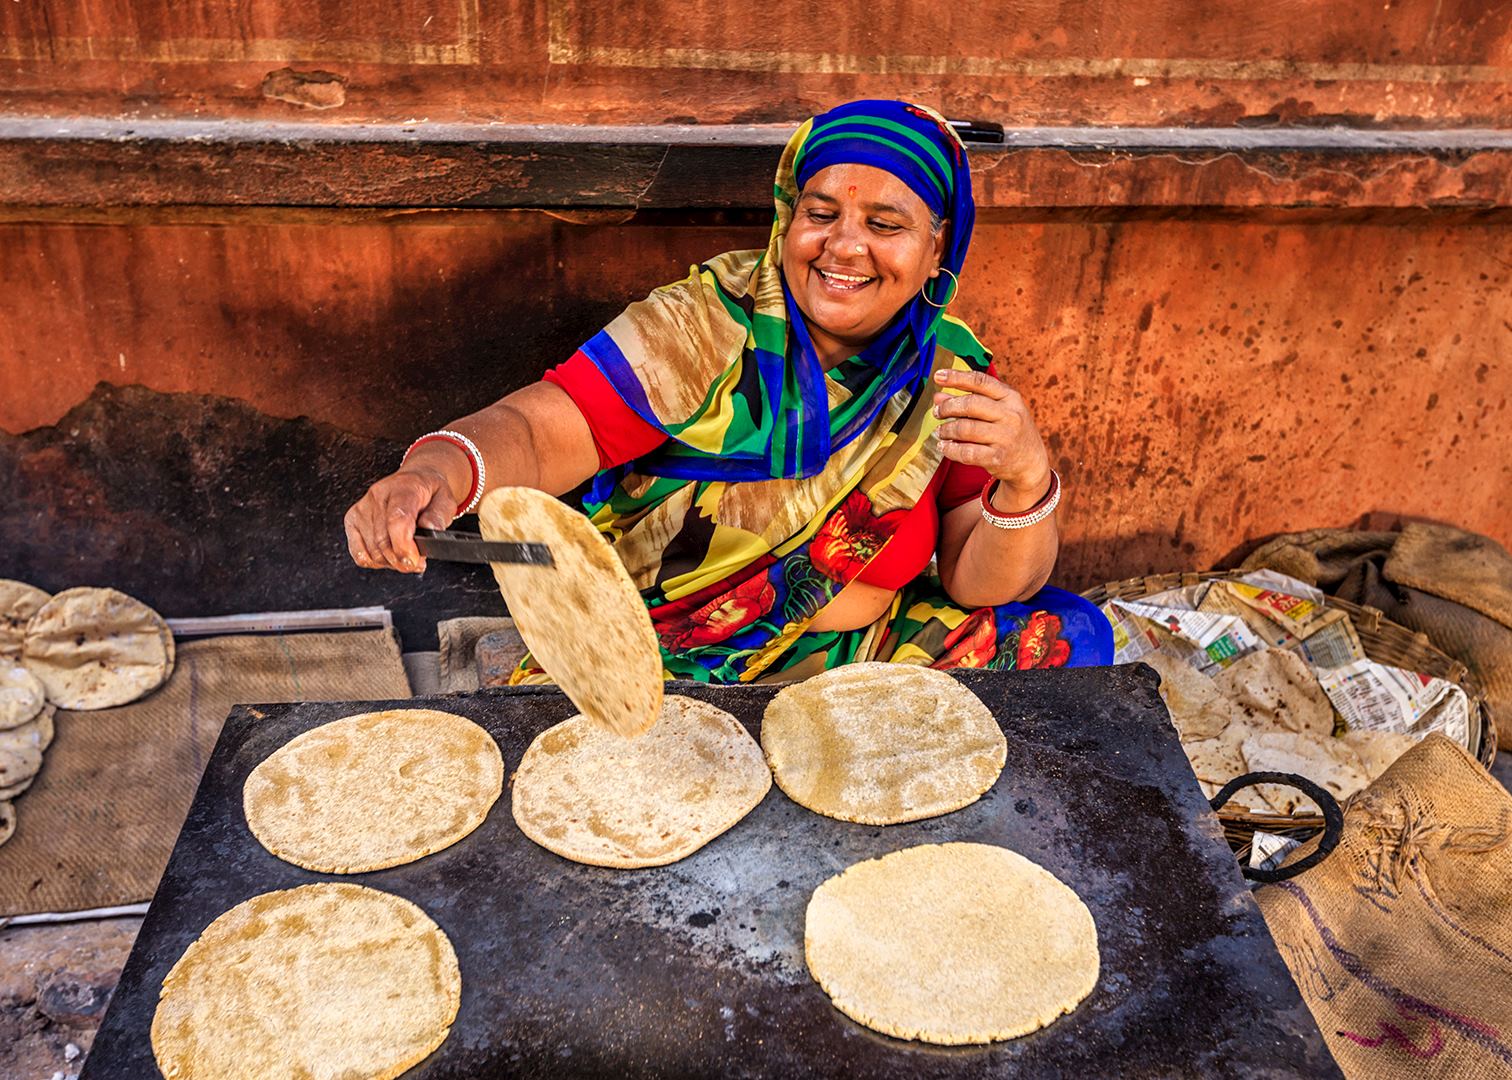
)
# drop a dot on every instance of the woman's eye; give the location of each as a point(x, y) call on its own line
point(885, 226)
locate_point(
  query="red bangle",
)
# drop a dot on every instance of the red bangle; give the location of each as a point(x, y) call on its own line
point(1024, 518)
point(474, 462)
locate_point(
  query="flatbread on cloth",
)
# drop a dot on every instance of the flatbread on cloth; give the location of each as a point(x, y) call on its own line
point(7, 821)
point(583, 618)
point(374, 790)
point(881, 744)
point(1326, 761)
point(1276, 688)
point(22, 695)
point(18, 603)
point(596, 798)
point(951, 943)
point(97, 648)
point(325, 981)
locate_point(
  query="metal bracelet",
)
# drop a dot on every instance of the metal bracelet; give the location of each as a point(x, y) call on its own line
point(475, 459)
point(1033, 516)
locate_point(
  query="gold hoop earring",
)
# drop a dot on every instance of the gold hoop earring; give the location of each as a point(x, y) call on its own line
point(956, 288)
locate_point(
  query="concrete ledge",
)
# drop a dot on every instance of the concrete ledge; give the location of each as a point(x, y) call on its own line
point(93, 163)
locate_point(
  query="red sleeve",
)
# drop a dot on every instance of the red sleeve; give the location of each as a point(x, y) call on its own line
point(962, 483)
point(619, 435)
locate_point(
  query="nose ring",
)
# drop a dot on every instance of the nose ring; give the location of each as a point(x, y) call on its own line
point(860, 249)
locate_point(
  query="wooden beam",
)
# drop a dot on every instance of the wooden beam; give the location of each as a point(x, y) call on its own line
point(91, 162)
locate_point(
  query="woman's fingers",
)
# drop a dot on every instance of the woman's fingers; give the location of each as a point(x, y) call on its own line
point(401, 535)
point(974, 382)
point(381, 526)
point(994, 432)
point(967, 453)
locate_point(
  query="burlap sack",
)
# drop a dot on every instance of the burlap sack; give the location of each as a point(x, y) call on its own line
point(1452, 585)
point(1401, 940)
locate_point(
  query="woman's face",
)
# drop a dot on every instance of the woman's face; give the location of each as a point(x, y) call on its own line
point(858, 249)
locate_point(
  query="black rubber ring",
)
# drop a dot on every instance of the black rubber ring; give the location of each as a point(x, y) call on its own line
point(1333, 820)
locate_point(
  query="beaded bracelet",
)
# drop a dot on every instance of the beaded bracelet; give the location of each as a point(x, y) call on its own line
point(474, 494)
point(1032, 516)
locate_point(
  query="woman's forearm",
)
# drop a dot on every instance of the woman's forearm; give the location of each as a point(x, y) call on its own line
point(982, 565)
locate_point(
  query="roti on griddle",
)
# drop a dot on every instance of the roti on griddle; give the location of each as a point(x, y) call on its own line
point(18, 603)
point(327, 980)
point(951, 943)
point(596, 798)
point(880, 743)
point(374, 790)
point(22, 695)
point(97, 648)
point(583, 618)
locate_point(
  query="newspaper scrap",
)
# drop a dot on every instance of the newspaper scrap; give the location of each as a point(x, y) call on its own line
point(1211, 625)
point(1269, 850)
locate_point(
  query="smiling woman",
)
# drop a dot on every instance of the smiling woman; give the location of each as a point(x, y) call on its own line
point(802, 460)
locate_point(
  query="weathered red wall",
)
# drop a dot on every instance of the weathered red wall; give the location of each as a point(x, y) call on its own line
point(1201, 383)
point(1410, 63)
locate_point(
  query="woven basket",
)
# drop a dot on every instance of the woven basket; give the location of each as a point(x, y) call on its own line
point(1384, 641)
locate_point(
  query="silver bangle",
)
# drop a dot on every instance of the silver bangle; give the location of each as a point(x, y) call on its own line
point(475, 457)
point(1033, 516)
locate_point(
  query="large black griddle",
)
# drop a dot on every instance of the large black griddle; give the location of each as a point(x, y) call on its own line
point(696, 969)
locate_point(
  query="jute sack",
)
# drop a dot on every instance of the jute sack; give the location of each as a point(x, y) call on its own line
point(1401, 940)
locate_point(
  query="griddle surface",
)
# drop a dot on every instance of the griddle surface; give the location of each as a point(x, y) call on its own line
point(696, 969)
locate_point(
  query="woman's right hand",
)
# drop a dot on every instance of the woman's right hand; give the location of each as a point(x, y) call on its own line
point(380, 526)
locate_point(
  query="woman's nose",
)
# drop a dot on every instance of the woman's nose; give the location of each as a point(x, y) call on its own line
point(846, 239)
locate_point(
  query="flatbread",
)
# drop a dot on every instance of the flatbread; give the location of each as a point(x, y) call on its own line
point(1377, 749)
point(36, 734)
point(951, 944)
point(7, 821)
point(593, 797)
point(583, 618)
point(19, 764)
point(1275, 688)
point(374, 790)
point(21, 742)
point(1327, 762)
point(18, 603)
point(22, 695)
point(1198, 709)
point(882, 743)
point(97, 648)
point(323, 981)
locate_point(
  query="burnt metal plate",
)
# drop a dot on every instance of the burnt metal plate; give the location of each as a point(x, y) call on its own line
point(696, 969)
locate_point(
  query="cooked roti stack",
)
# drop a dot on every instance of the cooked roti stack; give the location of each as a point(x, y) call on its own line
point(80, 649)
point(1266, 712)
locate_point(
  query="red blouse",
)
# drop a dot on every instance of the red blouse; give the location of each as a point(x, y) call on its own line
point(620, 435)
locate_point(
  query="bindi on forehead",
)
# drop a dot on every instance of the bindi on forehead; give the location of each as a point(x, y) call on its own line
point(851, 191)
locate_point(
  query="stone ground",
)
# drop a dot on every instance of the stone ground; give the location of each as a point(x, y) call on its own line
point(56, 980)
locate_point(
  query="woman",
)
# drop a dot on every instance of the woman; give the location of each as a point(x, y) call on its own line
point(781, 443)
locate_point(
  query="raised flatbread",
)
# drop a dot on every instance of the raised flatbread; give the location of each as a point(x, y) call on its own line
point(7, 821)
point(951, 944)
point(1276, 689)
point(18, 603)
point(374, 790)
point(323, 981)
point(1327, 762)
point(1377, 749)
point(1198, 709)
point(22, 695)
point(583, 618)
point(882, 743)
point(97, 648)
point(593, 797)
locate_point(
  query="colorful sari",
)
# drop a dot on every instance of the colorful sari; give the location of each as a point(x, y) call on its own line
point(779, 481)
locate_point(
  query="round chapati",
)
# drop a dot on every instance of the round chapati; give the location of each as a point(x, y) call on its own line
point(583, 619)
point(1275, 688)
point(97, 648)
point(1376, 749)
point(597, 798)
point(951, 943)
point(374, 790)
point(22, 696)
point(1326, 761)
point(881, 744)
point(324, 981)
point(18, 603)
point(7, 821)
point(36, 734)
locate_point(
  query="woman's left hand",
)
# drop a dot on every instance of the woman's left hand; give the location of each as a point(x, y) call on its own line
point(988, 424)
